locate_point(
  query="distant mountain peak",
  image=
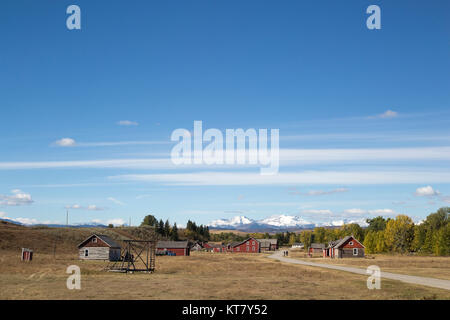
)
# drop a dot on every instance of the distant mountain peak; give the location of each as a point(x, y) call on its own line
point(276, 222)
point(233, 222)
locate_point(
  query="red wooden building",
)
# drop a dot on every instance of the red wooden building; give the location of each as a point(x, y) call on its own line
point(251, 245)
point(178, 248)
point(347, 247)
point(214, 247)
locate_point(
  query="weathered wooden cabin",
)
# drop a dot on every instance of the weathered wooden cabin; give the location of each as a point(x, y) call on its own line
point(99, 247)
point(268, 244)
point(347, 247)
point(177, 248)
point(316, 249)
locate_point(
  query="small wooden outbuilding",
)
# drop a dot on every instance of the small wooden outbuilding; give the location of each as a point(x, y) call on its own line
point(177, 248)
point(268, 244)
point(99, 247)
point(316, 248)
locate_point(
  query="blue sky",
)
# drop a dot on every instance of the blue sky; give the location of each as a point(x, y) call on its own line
point(310, 69)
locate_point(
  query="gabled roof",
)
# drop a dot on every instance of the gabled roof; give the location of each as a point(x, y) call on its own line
point(267, 242)
point(235, 244)
point(339, 243)
point(317, 246)
point(216, 245)
point(172, 244)
point(109, 242)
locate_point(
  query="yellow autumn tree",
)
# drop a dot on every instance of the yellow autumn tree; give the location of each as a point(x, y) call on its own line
point(399, 234)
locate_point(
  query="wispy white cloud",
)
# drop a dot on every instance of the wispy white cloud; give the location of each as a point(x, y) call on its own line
point(115, 163)
point(319, 192)
point(127, 123)
point(143, 196)
point(65, 142)
point(288, 157)
point(361, 136)
point(355, 211)
point(91, 207)
point(291, 178)
point(121, 143)
point(116, 201)
point(317, 211)
point(383, 212)
point(388, 114)
point(17, 198)
point(426, 191)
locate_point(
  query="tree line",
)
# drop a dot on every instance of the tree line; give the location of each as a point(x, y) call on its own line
point(431, 236)
point(168, 231)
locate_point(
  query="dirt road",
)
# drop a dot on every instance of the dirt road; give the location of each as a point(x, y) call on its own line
point(430, 282)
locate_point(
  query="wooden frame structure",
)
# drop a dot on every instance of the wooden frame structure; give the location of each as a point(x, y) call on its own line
point(138, 256)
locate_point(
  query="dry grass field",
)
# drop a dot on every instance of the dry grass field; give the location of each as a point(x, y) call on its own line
point(425, 266)
point(200, 276)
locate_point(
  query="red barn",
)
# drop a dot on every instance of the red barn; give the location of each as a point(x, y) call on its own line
point(251, 245)
point(347, 247)
point(178, 248)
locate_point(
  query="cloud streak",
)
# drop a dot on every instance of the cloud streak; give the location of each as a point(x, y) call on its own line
point(290, 178)
point(288, 157)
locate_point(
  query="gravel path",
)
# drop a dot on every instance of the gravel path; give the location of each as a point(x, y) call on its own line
point(430, 282)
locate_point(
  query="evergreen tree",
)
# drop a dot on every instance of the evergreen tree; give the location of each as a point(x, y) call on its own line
point(174, 233)
point(160, 229)
point(167, 228)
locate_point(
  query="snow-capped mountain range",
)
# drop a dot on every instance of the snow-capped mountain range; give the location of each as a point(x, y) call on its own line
point(276, 222)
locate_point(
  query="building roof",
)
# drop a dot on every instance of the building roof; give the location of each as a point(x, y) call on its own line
point(216, 245)
point(235, 244)
point(267, 242)
point(106, 239)
point(172, 244)
point(317, 246)
point(298, 244)
point(341, 242)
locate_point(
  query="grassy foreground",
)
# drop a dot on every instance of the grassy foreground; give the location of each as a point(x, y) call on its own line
point(423, 266)
point(200, 276)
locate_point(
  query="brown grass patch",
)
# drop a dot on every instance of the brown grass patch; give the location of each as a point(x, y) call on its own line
point(200, 276)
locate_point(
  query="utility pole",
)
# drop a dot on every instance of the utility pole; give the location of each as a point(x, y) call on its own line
point(67, 218)
point(129, 223)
